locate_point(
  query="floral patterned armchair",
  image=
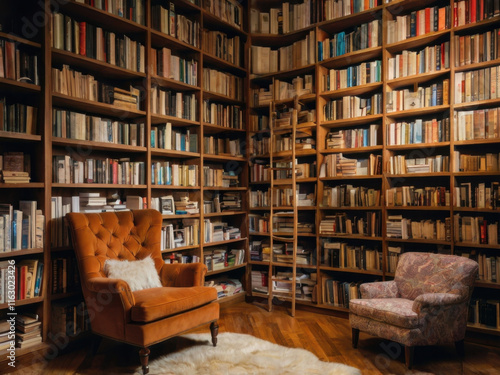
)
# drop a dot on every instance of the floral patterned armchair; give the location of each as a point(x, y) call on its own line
point(425, 304)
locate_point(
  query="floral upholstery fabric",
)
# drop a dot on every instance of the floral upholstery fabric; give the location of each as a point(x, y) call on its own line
point(433, 291)
point(395, 311)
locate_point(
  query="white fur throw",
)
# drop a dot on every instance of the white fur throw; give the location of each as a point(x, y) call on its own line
point(139, 274)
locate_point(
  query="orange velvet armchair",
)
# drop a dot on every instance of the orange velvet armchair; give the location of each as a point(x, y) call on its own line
point(143, 317)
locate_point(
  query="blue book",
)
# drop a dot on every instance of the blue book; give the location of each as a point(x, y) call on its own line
point(412, 131)
point(38, 279)
point(366, 136)
point(434, 95)
point(320, 51)
point(418, 131)
point(340, 43)
point(25, 233)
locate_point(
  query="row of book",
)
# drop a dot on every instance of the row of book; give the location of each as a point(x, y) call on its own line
point(429, 59)
point(428, 196)
point(217, 231)
point(341, 224)
point(170, 173)
point(258, 223)
point(343, 255)
point(230, 11)
point(398, 226)
point(338, 293)
point(400, 164)
point(67, 170)
point(304, 285)
point(353, 138)
point(133, 10)
point(259, 250)
point(225, 287)
point(226, 115)
point(183, 233)
point(175, 104)
point(217, 145)
point(284, 142)
point(81, 126)
point(418, 131)
point(477, 124)
point(418, 22)
point(297, 87)
point(28, 275)
point(477, 195)
point(285, 197)
point(289, 18)
point(350, 196)
point(18, 117)
point(260, 198)
point(175, 258)
point(489, 265)
point(475, 230)
point(215, 176)
point(217, 259)
point(70, 82)
point(476, 163)
point(88, 40)
point(65, 276)
point(18, 64)
point(352, 106)
point(356, 75)
point(165, 137)
point(223, 202)
point(336, 165)
point(219, 44)
point(174, 67)
point(333, 9)
point(265, 60)
point(22, 228)
point(166, 20)
point(474, 85)
point(484, 313)
point(429, 96)
point(477, 48)
point(69, 318)
point(471, 11)
point(223, 83)
point(366, 35)
point(260, 172)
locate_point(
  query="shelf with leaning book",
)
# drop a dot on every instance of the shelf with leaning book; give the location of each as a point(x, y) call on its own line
point(336, 10)
point(465, 16)
point(172, 65)
point(222, 14)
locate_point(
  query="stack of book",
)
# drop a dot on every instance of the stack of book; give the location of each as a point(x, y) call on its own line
point(4, 335)
point(225, 287)
point(259, 281)
point(28, 330)
point(14, 168)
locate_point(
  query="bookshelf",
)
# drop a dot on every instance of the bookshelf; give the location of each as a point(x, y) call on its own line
point(395, 98)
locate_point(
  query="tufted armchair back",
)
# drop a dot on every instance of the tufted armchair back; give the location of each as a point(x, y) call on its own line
point(420, 273)
point(122, 235)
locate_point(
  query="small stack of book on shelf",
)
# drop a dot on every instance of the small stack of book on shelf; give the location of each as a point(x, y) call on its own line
point(185, 206)
point(15, 167)
point(259, 281)
point(216, 231)
point(342, 224)
point(216, 176)
point(22, 228)
point(335, 165)
point(175, 258)
point(284, 224)
point(352, 107)
point(404, 228)
point(18, 64)
point(225, 287)
point(217, 259)
point(223, 83)
point(217, 145)
point(18, 117)
point(28, 330)
point(298, 86)
point(410, 196)
point(5, 335)
point(343, 255)
point(69, 318)
point(180, 234)
point(475, 230)
point(484, 313)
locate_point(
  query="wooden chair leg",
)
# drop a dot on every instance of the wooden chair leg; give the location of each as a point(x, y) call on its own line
point(214, 329)
point(460, 347)
point(355, 337)
point(144, 356)
point(409, 352)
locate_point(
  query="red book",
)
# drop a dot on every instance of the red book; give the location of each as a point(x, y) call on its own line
point(473, 10)
point(22, 283)
point(10, 60)
point(481, 10)
point(483, 229)
point(417, 24)
point(427, 20)
point(114, 168)
point(83, 38)
point(455, 14)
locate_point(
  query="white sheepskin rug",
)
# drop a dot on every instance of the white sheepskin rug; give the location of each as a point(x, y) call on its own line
point(239, 354)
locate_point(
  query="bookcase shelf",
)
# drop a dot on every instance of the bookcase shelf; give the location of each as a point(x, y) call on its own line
point(417, 146)
point(174, 153)
point(18, 253)
point(477, 104)
point(470, 27)
point(97, 186)
point(226, 269)
point(416, 41)
point(176, 121)
point(342, 23)
point(160, 39)
point(418, 208)
point(229, 67)
point(351, 122)
point(356, 90)
point(31, 185)
point(18, 39)
point(352, 58)
point(97, 145)
point(356, 150)
point(19, 137)
point(418, 112)
point(221, 98)
point(173, 84)
point(479, 65)
point(24, 302)
point(18, 87)
point(417, 78)
point(351, 270)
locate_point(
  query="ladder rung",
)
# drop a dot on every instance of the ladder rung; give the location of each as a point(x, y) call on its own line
point(284, 239)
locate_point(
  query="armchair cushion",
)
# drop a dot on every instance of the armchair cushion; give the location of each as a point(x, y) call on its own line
point(157, 303)
point(383, 289)
point(139, 274)
point(393, 311)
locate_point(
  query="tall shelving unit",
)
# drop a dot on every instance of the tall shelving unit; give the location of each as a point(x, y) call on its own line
point(454, 46)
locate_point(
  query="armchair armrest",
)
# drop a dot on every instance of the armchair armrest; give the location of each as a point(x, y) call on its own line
point(380, 289)
point(183, 275)
point(114, 287)
point(430, 301)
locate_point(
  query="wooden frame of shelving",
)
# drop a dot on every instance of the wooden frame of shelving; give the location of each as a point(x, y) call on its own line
point(450, 179)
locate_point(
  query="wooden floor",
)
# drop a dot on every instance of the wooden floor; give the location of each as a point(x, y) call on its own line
point(326, 336)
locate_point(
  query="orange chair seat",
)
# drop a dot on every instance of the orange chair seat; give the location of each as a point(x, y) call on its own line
point(394, 311)
point(158, 303)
